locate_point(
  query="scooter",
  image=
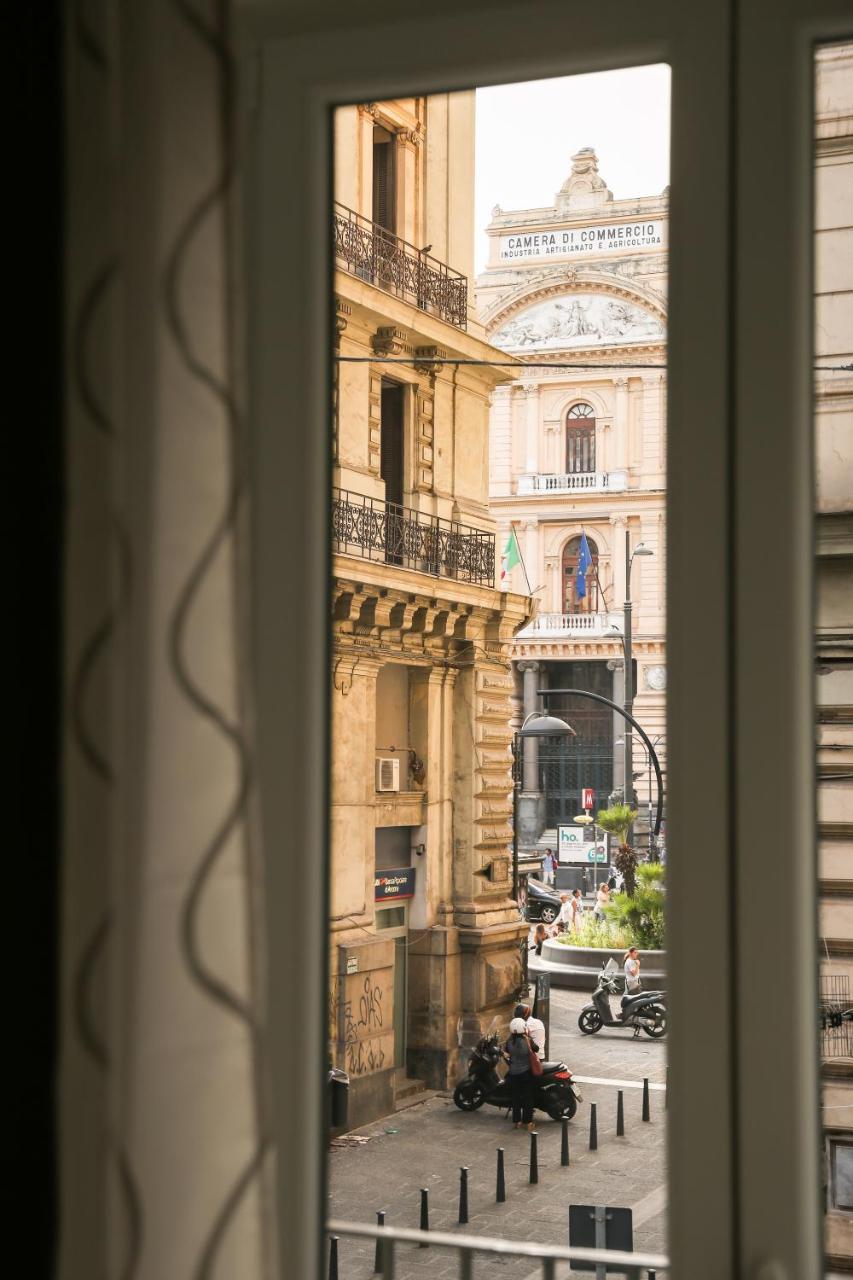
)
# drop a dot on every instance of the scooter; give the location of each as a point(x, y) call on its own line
point(553, 1092)
point(643, 1011)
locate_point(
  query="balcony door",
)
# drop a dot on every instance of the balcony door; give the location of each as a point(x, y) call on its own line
point(572, 602)
point(391, 468)
point(580, 439)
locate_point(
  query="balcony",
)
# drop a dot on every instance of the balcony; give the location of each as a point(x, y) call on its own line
point(575, 482)
point(373, 254)
point(386, 533)
point(557, 626)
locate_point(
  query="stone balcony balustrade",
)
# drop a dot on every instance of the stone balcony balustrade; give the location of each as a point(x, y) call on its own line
point(554, 626)
point(574, 482)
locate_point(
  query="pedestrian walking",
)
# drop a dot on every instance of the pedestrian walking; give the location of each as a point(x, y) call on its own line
point(631, 965)
point(535, 1028)
point(602, 898)
point(518, 1050)
point(549, 867)
point(540, 935)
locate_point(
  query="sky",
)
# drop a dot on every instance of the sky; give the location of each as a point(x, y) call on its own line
point(527, 134)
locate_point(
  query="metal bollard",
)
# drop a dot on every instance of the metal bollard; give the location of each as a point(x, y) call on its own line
point(593, 1127)
point(463, 1196)
point(424, 1214)
point(500, 1193)
point(620, 1115)
point(651, 1275)
point(333, 1258)
point(564, 1146)
point(534, 1157)
point(377, 1257)
point(647, 1115)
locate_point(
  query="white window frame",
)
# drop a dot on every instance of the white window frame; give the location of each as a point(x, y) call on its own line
point(743, 1100)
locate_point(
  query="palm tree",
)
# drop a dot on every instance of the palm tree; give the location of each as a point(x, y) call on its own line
point(617, 821)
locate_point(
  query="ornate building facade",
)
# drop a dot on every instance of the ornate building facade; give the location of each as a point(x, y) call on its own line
point(424, 937)
point(834, 630)
point(576, 451)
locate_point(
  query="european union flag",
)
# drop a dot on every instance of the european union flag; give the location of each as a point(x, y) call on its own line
point(584, 566)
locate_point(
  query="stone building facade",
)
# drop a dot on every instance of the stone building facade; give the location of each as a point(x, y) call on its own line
point(834, 630)
point(424, 936)
point(581, 450)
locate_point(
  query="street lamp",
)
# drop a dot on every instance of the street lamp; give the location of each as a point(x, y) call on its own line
point(536, 724)
point(628, 767)
point(620, 742)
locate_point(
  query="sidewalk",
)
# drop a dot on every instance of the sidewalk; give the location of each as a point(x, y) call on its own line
point(426, 1145)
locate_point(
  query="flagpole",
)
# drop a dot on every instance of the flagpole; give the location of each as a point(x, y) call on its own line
point(521, 558)
point(597, 578)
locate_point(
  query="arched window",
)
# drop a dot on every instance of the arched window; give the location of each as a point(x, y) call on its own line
point(580, 439)
point(572, 603)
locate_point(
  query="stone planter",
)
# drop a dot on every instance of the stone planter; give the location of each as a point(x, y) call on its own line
point(579, 967)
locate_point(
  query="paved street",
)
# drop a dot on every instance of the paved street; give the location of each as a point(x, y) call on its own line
point(425, 1145)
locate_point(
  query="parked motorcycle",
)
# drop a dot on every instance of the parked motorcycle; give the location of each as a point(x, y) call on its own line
point(642, 1011)
point(553, 1091)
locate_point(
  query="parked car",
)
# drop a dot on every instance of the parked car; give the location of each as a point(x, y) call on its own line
point(543, 902)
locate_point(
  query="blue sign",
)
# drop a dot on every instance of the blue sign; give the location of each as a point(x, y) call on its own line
point(394, 885)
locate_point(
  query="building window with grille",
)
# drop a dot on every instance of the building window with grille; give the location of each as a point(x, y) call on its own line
point(840, 1161)
point(580, 439)
point(384, 179)
point(572, 603)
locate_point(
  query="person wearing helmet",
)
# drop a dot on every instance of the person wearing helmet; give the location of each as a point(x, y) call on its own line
point(518, 1049)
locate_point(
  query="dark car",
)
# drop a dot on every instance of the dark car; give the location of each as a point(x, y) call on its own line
point(543, 902)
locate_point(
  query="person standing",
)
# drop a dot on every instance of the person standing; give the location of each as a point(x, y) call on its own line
point(631, 965)
point(577, 908)
point(602, 898)
point(549, 867)
point(535, 1028)
point(518, 1049)
point(566, 915)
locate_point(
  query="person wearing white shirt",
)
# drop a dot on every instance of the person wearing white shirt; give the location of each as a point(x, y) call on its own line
point(535, 1028)
point(566, 914)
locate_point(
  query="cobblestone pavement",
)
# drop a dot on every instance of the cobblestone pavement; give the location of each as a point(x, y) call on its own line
point(425, 1146)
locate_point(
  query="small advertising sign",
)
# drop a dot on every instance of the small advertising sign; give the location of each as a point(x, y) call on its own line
point(576, 844)
point(394, 885)
point(588, 798)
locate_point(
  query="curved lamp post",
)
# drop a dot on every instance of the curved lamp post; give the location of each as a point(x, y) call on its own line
point(537, 724)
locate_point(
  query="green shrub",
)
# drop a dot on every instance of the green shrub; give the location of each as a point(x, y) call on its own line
point(640, 919)
point(592, 932)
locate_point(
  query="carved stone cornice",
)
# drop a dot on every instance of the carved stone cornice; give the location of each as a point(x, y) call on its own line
point(390, 341)
point(424, 354)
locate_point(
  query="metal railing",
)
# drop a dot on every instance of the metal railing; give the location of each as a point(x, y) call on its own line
point(386, 532)
point(378, 256)
point(836, 1016)
point(635, 1266)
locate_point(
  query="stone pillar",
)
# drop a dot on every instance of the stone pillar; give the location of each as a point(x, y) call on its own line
point(353, 728)
point(530, 798)
point(617, 560)
point(531, 465)
point(620, 462)
point(531, 554)
point(500, 442)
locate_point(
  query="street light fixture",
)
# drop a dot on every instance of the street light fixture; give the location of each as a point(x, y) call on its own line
point(537, 724)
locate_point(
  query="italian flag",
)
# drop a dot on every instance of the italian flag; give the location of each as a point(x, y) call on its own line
point(511, 554)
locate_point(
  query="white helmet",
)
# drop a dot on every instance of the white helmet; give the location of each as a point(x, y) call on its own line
point(517, 1027)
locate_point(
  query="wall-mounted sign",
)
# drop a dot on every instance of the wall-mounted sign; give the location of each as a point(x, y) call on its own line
point(578, 241)
point(352, 964)
point(588, 798)
point(395, 884)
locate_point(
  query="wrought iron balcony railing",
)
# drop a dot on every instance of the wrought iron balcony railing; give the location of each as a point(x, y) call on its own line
point(385, 532)
point(376, 255)
point(836, 1016)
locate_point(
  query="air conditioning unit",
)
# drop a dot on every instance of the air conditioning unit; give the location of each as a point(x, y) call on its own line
point(387, 774)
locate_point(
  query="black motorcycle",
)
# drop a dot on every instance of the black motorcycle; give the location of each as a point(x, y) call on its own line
point(643, 1011)
point(553, 1091)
